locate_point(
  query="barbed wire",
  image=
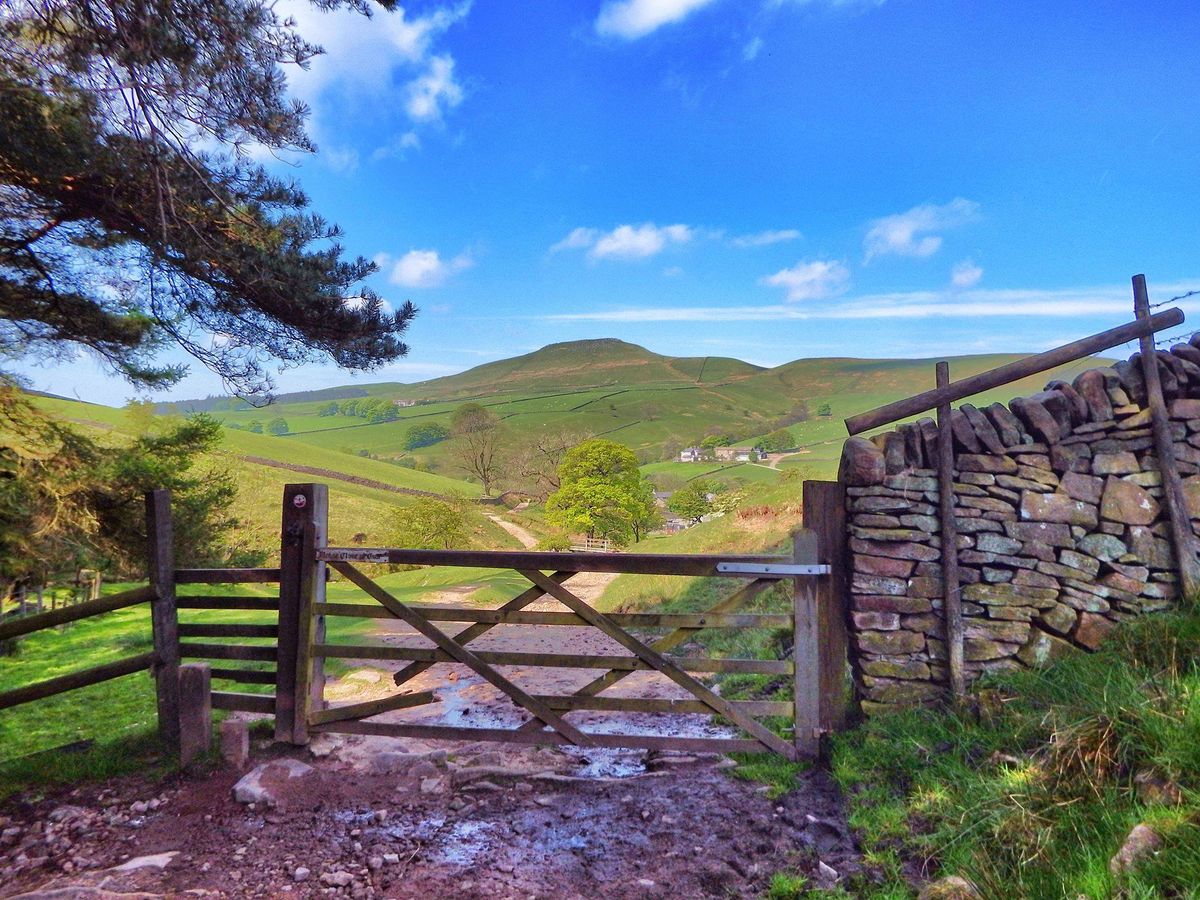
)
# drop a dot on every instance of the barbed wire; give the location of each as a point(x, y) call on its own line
point(1183, 296)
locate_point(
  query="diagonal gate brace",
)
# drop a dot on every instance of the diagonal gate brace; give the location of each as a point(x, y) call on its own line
point(463, 655)
point(661, 663)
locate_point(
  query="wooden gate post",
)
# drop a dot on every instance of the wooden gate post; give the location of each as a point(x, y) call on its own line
point(164, 617)
point(806, 649)
point(824, 512)
point(299, 677)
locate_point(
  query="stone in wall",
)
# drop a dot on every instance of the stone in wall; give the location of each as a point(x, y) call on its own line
point(1060, 518)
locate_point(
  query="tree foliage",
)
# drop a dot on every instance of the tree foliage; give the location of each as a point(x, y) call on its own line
point(431, 524)
point(130, 217)
point(535, 466)
point(477, 441)
point(68, 502)
point(602, 493)
point(425, 435)
point(692, 501)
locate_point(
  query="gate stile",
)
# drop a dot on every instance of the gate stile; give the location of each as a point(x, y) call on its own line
point(817, 620)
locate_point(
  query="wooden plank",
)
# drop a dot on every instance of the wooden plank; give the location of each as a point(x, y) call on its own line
point(824, 511)
point(693, 621)
point(657, 705)
point(291, 538)
point(474, 631)
point(463, 655)
point(951, 590)
point(662, 664)
point(368, 708)
point(73, 680)
point(224, 629)
point(633, 563)
point(61, 616)
point(521, 736)
point(258, 703)
point(246, 676)
point(1183, 539)
point(625, 664)
point(310, 669)
point(739, 598)
point(164, 618)
point(226, 576)
point(1022, 368)
point(228, 651)
point(269, 604)
point(806, 652)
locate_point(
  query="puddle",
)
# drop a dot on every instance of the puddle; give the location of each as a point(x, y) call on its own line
point(602, 762)
point(463, 842)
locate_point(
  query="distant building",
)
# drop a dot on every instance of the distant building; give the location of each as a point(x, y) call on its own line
point(691, 454)
point(730, 454)
point(404, 403)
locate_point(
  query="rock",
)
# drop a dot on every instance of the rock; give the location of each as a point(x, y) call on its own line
point(431, 785)
point(424, 769)
point(301, 873)
point(1049, 534)
point(1141, 842)
point(1127, 503)
point(1008, 426)
point(995, 465)
point(1037, 419)
point(1144, 547)
point(876, 621)
point(862, 463)
point(1058, 508)
point(952, 887)
point(1104, 547)
point(1120, 463)
point(995, 543)
point(154, 861)
point(1154, 788)
point(235, 742)
point(256, 785)
point(882, 565)
point(339, 878)
point(894, 550)
point(984, 430)
point(1185, 409)
point(897, 667)
point(1042, 649)
point(1009, 595)
point(1082, 487)
point(1090, 385)
point(1092, 629)
point(965, 438)
point(878, 584)
point(890, 643)
point(1079, 561)
point(1133, 381)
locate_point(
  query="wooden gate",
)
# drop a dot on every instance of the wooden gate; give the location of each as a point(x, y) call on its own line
point(816, 623)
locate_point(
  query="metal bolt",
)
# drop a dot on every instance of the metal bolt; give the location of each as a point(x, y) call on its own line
point(299, 501)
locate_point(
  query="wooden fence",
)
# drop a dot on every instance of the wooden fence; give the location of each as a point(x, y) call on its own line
point(295, 643)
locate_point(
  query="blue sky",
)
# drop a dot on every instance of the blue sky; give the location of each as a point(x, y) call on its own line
point(765, 179)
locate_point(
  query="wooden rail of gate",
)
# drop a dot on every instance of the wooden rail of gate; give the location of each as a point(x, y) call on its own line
point(817, 667)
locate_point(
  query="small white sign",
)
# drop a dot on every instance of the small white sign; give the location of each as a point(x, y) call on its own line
point(337, 555)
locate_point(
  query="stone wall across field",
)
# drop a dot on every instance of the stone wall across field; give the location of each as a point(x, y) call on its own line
point(1062, 531)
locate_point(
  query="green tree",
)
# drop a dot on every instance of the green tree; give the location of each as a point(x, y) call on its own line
point(692, 502)
point(477, 440)
point(825, 410)
point(130, 216)
point(255, 426)
point(68, 502)
point(328, 409)
point(602, 493)
point(431, 524)
point(348, 407)
point(780, 439)
point(425, 435)
point(277, 426)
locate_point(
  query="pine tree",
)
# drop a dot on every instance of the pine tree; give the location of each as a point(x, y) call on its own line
point(131, 216)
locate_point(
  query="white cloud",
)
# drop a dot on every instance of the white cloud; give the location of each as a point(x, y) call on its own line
point(366, 58)
point(911, 233)
point(672, 272)
point(816, 280)
point(436, 88)
point(398, 147)
point(423, 268)
point(966, 274)
point(632, 19)
point(626, 241)
point(913, 305)
point(750, 51)
point(765, 238)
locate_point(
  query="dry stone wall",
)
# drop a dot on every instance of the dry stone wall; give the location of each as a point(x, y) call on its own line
point(1062, 531)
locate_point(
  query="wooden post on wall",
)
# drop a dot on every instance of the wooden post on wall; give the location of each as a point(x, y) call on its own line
point(299, 677)
point(1183, 540)
point(164, 617)
point(824, 511)
point(951, 591)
